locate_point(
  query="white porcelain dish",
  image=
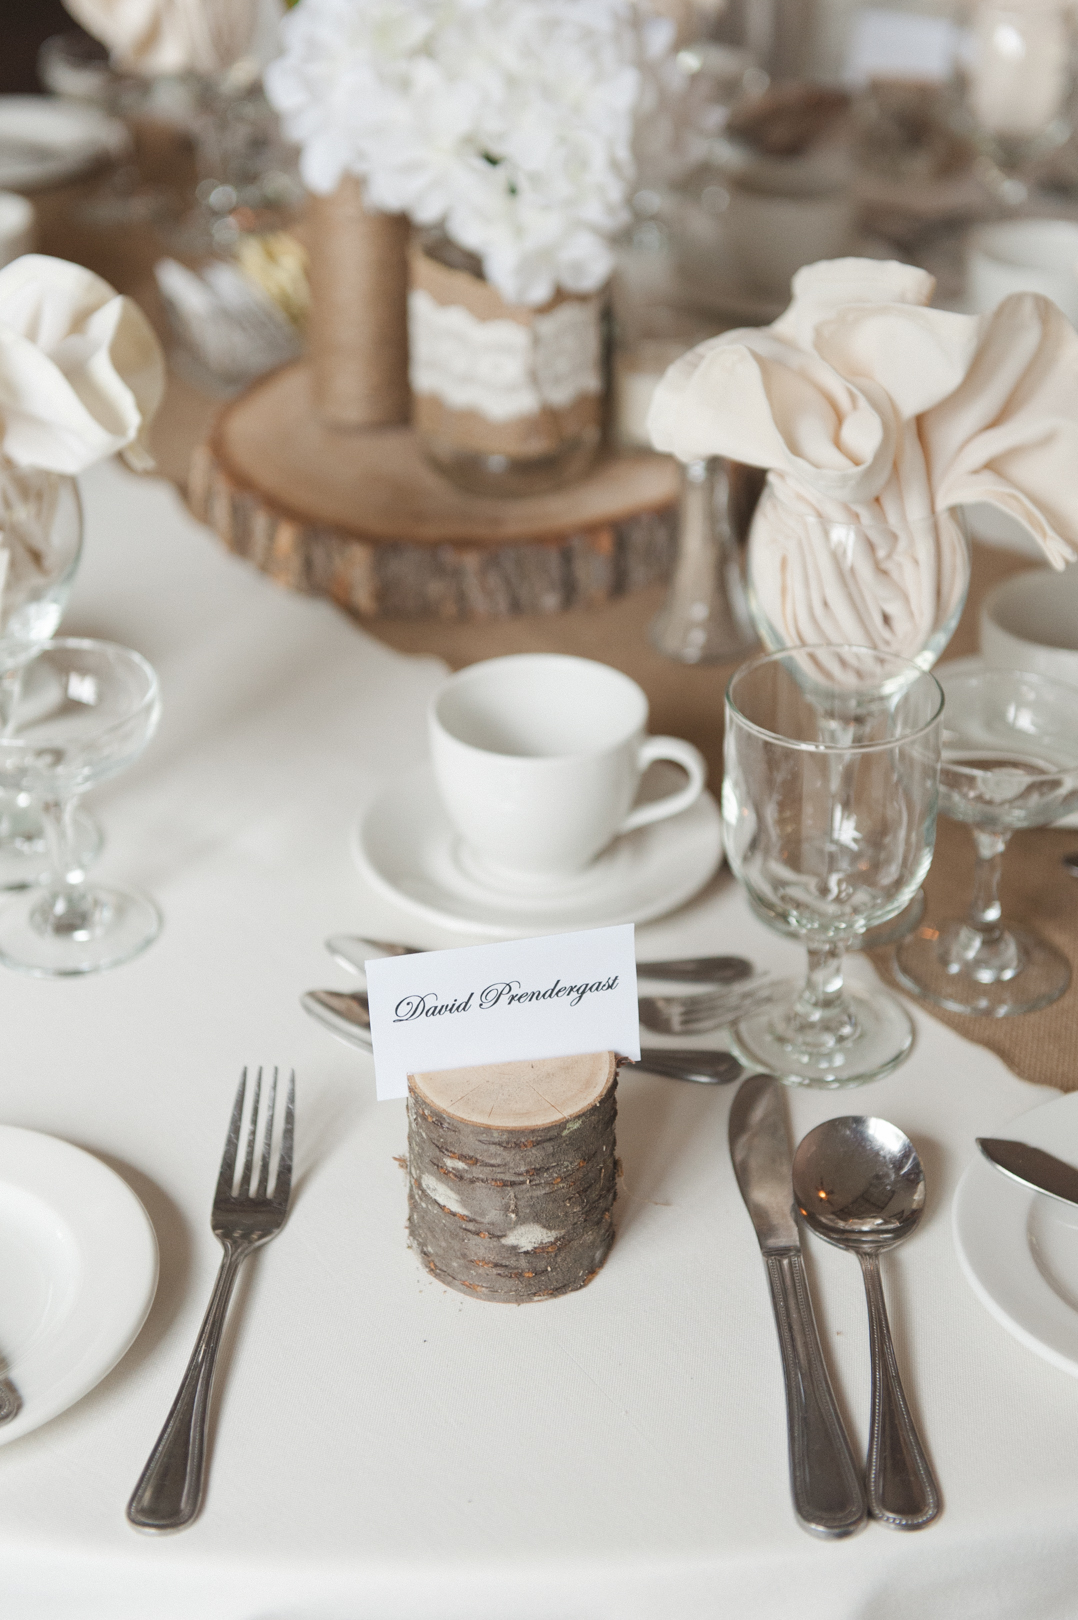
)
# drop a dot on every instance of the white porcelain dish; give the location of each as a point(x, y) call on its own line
point(1019, 1249)
point(407, 850)
point(78, 1272)
point(43, 141)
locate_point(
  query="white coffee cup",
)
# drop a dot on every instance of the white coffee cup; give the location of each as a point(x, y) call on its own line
point(538, 758)
point(1030, 623)
point(1024, 255)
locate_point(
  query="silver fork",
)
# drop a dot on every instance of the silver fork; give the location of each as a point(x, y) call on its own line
point(693, 1015)
point(169, 1492)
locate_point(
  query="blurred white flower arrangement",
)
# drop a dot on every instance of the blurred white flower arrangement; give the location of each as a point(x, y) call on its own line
point(510, 123)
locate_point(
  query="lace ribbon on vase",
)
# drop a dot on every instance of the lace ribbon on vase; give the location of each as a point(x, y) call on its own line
point(503, 369)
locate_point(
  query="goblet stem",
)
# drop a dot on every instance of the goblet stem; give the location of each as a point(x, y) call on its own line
point(981, 946)
point(67, 907)
point(821, 1017)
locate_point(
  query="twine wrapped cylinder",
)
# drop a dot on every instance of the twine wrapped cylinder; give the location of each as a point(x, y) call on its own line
point(357, 332)
point(512, 1173)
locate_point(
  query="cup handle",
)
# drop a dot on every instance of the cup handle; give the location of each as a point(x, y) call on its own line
point(690, 759)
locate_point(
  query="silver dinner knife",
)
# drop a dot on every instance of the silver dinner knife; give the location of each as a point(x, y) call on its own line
point(1032, 1166)
point(828, 1493)
point(352, 951)
point(346, 1014)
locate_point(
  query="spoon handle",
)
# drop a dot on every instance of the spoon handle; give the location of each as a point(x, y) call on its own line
point(901, 1486)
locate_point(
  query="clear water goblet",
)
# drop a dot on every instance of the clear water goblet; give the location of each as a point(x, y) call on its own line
point(40, 546)
point(1010, 760)
point(84, 712)
point(829, 817)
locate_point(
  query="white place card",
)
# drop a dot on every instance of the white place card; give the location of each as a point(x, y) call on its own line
point(524, 998)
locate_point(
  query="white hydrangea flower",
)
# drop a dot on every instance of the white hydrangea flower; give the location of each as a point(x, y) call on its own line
point(510, 122)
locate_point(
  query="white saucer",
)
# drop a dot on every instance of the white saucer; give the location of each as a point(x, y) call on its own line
point(406, 848)
point(973, 665)
point(44, 140)
point(1019, 1249)
point(78, 1263)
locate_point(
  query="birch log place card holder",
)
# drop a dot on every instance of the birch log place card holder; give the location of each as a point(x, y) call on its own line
point(508, 1055)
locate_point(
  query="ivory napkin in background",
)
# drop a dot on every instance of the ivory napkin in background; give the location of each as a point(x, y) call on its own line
point(81, 370)
point(868, 408)
point(170, 36)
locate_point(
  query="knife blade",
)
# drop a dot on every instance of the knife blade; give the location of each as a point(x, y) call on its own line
point(352, 950)
point(1032, 1166)
point(825, 1482)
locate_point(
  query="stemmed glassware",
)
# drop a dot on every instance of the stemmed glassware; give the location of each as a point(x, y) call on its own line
point(40, 546)
point(829, 815)
point(84, 712)
point(1010, 760)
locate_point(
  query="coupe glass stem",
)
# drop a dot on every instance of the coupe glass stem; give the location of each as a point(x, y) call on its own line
point(67, 906)
point(985, 909)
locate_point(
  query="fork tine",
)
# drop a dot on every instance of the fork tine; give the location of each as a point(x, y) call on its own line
point(227, 1173)
point(252, 1136)
point(283, 1184)
point(263, 1173)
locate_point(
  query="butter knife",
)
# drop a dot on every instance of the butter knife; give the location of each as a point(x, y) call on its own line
point(1032, 1166)
point(828, 1493)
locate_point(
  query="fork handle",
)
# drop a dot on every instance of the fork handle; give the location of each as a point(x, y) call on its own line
point(169, 1492)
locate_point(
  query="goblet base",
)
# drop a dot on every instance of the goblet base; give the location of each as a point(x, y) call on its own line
point(880, 1040)
point(926, 967)
point(24, 850)
point(124, 925)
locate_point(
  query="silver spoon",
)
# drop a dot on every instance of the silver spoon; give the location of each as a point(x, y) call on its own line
point(352, 950)
point(346, 1014)
point(859, 1183)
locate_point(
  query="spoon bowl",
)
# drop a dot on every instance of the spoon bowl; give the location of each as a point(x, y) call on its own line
point(859, 1183)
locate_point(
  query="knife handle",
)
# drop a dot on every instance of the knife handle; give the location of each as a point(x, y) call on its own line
point(829, 1497)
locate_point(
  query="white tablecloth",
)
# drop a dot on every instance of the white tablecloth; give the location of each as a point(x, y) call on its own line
point(383, 1448)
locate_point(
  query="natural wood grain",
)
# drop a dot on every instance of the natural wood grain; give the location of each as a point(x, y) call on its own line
point(512, 1173)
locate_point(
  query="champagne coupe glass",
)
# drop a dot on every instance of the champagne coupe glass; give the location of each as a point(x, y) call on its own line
point(829, 819)
point(1010, 760)
point(85, 711)
point(40, 545)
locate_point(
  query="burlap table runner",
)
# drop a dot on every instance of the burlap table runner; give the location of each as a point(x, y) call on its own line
point(685, 701)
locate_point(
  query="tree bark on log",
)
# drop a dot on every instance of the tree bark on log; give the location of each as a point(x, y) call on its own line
point(511, 1173)
point(366, 521)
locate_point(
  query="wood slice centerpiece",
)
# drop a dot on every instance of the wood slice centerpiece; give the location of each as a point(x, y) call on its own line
point(511, 1174)
point(362, 517)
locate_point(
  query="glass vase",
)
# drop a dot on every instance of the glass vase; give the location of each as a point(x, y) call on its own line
point(507, 400)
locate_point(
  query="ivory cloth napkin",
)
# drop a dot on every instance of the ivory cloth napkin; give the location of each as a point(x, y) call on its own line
point(81, 370)
point(169, 36)
point(870, 409)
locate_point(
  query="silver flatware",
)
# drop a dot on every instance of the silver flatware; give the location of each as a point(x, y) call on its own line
point(825, 1481)
point(859, 1183)
point(244, 1216)
point(352, 950)
point(346, 1014)
point(714, 1009)
point(1032, 1166)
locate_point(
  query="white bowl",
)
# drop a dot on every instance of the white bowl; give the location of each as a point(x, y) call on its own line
point(1030, 622)
point(1024, 255)
point(16, 226)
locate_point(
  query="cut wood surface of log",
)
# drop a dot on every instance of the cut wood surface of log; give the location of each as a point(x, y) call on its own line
point(364, 519)
point(511, 1173)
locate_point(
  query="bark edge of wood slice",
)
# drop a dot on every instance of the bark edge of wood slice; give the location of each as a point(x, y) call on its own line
point(361, 517)
point(512, 1174)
